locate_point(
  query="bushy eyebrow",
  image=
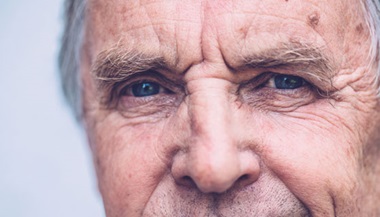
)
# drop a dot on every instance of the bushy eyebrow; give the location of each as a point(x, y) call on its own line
point(308, 59)
point(116, 65)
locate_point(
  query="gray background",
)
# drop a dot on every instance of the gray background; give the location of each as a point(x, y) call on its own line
point(45, 165)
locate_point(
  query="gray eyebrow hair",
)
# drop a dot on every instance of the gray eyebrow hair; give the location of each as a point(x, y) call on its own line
point(117, 64)
point(310, 60)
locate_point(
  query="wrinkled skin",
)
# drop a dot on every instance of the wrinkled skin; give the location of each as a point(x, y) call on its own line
point(218, 138)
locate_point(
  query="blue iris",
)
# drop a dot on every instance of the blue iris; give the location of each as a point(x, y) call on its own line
point(288, 81)
point(145, 89)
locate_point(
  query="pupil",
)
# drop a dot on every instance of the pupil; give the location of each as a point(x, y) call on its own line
point(145, 89)
point(288, 81)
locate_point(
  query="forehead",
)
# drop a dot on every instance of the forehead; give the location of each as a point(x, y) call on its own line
point(189, 31)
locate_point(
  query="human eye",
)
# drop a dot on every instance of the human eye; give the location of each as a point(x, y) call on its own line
point(278, 92)
point(285, 82)
point(139, 92)
point(144, 89)
point(146, 95)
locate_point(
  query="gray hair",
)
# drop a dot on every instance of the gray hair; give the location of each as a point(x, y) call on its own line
point(71, 48)
point(70, 54)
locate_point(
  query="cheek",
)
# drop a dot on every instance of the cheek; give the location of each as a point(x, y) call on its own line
point(315, 153)
point(128, 165)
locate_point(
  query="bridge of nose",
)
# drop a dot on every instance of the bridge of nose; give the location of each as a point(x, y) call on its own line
point(214, 161)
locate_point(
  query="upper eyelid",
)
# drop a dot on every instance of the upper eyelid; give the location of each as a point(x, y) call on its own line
point(263, 78)
point(149, 76)
point(274, 74)
point(259, 79)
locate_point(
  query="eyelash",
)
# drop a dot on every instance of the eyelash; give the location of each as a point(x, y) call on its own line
point(126, 90)
point(120, 93)
point(260, 87)
point(261, 81)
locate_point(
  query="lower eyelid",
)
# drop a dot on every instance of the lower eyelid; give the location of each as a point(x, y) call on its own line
point(272, 99)
point(146, 106)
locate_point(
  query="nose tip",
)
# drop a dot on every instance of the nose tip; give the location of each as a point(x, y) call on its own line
point(222, 180)
point(220, 175)
point(210, 178)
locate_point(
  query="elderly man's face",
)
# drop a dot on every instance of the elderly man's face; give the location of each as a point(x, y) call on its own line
point(231, 108)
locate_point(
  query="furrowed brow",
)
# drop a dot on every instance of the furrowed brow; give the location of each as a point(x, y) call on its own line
point(309, 60)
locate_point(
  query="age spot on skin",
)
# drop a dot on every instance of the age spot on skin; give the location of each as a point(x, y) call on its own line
point(313, 19)
point(359, 28)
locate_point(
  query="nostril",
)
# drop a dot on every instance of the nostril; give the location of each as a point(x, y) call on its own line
point(187, 181)
point(243, 178)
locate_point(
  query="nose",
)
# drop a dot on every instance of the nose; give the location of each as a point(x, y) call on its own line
point(212, 161)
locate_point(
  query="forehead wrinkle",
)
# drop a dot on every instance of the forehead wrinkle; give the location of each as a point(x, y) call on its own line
point(169, 30)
